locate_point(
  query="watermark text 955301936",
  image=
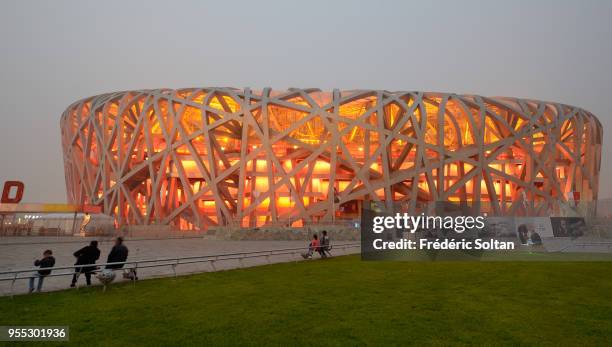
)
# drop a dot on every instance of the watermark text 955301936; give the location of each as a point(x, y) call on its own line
point(34, 333)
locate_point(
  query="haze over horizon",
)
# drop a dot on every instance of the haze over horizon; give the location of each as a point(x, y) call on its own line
point(54, 53)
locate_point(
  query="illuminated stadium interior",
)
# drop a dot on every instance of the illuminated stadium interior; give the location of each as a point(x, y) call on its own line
point(201, 157)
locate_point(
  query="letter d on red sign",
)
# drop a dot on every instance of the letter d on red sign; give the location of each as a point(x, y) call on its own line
point(6, 199)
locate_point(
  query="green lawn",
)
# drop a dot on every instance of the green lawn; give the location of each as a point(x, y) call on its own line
point(341, 301)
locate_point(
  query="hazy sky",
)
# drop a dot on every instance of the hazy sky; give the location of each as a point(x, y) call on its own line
point(55, 52)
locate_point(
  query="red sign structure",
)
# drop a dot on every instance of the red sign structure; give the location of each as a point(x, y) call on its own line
point(6, 192)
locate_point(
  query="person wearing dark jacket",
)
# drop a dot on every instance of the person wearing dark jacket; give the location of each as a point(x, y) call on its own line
point(118, 254)
point(535, 238)
point(325, 248)
point(46, 262)
point(86, 255)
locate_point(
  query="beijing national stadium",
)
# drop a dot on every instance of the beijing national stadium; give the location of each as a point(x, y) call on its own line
point(200, 157)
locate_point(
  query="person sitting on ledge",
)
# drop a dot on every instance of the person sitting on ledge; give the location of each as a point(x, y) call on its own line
point(312, 247)
point(324, 248)
point(535, 238)
point(118, 254)
point(46, 261)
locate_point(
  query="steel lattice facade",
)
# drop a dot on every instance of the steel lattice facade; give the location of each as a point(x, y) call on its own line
point(222, 156)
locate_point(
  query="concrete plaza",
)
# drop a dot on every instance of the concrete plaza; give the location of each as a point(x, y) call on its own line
point(20, 253)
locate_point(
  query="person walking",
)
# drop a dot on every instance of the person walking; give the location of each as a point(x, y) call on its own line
point(45, 262)
point(118, 254)
point(86, 255)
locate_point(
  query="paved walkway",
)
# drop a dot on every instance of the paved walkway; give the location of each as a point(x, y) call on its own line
point(20, 253)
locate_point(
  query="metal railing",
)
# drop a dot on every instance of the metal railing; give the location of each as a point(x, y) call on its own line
point(584, 245)
point(20, 274)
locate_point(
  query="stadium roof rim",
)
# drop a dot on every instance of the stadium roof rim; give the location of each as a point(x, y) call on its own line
point(497, 98)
